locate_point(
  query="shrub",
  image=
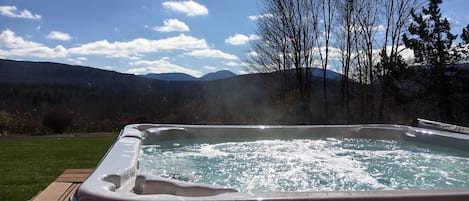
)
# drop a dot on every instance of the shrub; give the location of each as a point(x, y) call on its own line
point(4, 121)
point(57, 119)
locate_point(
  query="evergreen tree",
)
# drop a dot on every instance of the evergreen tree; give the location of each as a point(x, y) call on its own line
point(432, 36)
point(431, 40)
point(465, 35)
point(389, 71)
point(463, 47)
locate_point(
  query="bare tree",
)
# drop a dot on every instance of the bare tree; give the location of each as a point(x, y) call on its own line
point(366, 26)
point(299, 33)
point(345, 22)
point(323, 40)
point(396, 18)
point(287, 44)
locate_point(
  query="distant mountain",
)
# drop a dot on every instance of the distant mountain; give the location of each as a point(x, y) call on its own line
point(318, 72)
point(170, 76)
point(223, 74)
point(331, 75)
point(55, 73)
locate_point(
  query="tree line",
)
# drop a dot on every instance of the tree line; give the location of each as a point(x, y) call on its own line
point(34, 108)
point(365, 41)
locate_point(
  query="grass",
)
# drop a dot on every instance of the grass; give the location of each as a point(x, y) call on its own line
point(28, 165)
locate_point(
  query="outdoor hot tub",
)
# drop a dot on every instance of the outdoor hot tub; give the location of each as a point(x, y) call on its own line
point(333, 162)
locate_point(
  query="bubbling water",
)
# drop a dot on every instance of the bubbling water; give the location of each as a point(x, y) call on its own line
point(291, 165)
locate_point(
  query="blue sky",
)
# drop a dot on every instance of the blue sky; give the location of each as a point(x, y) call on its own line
point(143, 36)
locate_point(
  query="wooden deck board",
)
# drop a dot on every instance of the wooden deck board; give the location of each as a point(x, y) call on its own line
point(78, 171)
point(72, 178)
point(54, 191)
point(68, 193)
point(64, 186)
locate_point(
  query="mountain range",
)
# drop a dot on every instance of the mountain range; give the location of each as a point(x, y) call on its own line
point(56, 73)
point(223, 74)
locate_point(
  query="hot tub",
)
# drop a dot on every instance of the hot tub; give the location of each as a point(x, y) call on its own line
point(125, 174)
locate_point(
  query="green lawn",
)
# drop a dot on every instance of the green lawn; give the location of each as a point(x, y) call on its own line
point(28, 165)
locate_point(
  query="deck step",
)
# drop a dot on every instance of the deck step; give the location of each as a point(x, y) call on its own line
point(64, 186)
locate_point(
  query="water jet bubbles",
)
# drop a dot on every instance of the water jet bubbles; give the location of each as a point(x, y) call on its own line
point(309, 164)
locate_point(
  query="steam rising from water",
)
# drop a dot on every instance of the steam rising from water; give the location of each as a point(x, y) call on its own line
point(308, 164)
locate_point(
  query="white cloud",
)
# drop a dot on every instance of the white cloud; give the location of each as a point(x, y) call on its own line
point(252, 54)
point(160, 66)
point(172, 25)
point(256, 17)
point(241, 39)
point(359, 28)
point(232, 63)
point(12, 45)
point(211, 53)
point(210, 68)
point(11, 11)
point(379, 28)
point(78, 60)
point(334, 53)
point(134, 58)
point(107, 67)
point(135, 47)
point(57, 35)
point(190, 8)
point(243, 72)
point(406, 53)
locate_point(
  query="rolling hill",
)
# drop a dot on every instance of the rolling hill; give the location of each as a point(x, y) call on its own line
point(223, 74)
point(56, 73)
point(62, 74)
point(170, 76)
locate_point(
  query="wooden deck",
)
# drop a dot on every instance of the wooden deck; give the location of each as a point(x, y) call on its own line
point(64, 186)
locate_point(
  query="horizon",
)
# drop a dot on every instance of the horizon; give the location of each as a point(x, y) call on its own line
point(81, 65)
point(149, 74)
point(192, 37)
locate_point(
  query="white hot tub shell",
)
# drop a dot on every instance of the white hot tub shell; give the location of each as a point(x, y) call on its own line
point(117, 178)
